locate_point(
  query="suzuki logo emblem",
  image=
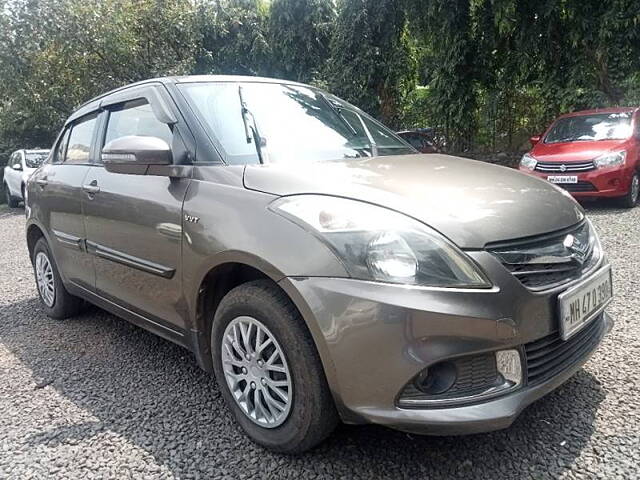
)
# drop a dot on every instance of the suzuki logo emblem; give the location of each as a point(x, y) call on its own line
point(577, 249)
point(563, 168)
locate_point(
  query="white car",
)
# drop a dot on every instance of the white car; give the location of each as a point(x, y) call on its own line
point(22, 164)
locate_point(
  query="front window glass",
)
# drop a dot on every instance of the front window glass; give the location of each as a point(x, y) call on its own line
point(80, 140)
point(585, 128)
point(35, 159)
point(296, 123)
point(136, 118)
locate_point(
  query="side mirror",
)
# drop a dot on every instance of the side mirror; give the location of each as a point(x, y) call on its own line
point(17, 166)
point(135, 154)
point(535, 140)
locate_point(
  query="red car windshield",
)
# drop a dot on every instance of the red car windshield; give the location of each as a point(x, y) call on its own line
point(589, 128)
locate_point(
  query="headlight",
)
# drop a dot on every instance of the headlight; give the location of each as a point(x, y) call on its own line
point(528, 162)
point(611, 159)
point(375, 243)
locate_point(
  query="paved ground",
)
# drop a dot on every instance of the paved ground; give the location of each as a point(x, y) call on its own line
point(95, 397)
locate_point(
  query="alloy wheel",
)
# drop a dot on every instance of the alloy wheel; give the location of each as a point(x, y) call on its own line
point(45, 280)
point(256, 372)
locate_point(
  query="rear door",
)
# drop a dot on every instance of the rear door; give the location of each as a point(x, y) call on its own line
point(134, 222)
point(57, 200)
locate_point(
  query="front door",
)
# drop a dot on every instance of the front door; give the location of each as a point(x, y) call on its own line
point(134, 227)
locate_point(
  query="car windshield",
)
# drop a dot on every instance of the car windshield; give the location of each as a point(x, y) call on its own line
point(295, 123)
point(35, 159)
point(587, 128)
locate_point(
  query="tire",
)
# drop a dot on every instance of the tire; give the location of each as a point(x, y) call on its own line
point(630, 200)
point(61, 304)
point(12, 202)
point(310, 415)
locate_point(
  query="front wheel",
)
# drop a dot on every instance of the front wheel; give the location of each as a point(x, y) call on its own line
point(630, 200)
point(269, 371)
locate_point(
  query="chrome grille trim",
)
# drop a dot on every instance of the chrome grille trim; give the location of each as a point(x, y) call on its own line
point(545, 263)
point(556, 167)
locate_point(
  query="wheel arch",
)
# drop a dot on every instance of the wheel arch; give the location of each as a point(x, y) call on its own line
point(217, 277)
point(234, 269)
point(34, 233)
point(228, 271)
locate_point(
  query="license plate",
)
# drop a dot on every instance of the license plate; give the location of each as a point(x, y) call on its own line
point(563, 178)
point(581, 303)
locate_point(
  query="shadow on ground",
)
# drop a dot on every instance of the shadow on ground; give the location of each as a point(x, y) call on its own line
point(5, 211)
point(152, 393)
point(603, 206)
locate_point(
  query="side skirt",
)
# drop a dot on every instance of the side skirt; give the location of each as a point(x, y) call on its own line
point(173, 334)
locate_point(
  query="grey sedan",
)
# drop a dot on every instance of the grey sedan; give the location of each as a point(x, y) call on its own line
point(313, 261)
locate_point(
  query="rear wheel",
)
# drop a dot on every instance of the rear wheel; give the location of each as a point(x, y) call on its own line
point(12, 202)
point(630, 200)
point(269, 371)
point(56, 301)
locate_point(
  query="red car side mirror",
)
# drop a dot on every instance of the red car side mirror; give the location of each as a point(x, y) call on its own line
point(534, 140)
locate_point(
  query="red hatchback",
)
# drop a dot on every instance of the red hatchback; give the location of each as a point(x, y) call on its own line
point(593, 153)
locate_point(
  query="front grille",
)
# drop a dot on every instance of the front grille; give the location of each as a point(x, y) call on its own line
point(550, 355)
point(545, 262)
point(565, 167)
point(581, 186)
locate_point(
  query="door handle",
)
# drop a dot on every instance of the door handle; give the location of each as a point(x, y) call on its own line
point(42, 182)
point(91, 189)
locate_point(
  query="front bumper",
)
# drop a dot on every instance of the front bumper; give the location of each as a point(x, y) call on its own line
point(607, 182)
point(374, 338)
point(491, 415)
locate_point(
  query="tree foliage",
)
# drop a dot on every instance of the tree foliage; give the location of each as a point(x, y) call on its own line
point(485, 73)
point(372, 63)
point(56, 54)
point(234, 37)
point(299, 33)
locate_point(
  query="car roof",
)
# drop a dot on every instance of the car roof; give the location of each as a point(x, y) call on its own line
point(192, 79)
point(600, 110)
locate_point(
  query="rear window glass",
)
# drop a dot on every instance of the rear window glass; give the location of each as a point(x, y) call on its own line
point(80, 140)
point(35, 159)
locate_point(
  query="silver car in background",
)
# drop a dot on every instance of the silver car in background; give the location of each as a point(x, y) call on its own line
point(21, 165)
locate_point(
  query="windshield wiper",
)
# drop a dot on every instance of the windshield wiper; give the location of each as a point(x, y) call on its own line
point(338, 113)
point(372, 142)
point(251, 132)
